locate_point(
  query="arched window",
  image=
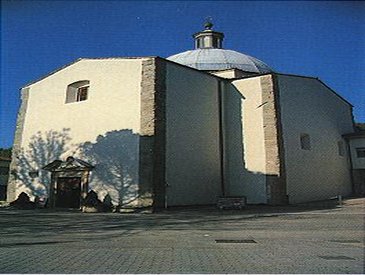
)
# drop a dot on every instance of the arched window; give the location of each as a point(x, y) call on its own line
point(77, 91)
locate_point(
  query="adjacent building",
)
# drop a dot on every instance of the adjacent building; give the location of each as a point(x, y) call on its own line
point(356, 143)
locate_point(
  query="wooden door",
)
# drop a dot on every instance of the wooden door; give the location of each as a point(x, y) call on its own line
point(68, 192)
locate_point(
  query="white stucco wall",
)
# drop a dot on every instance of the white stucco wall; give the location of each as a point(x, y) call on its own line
point(245, 147)
point(308, 107)
point(357, 163)
point(192, 144)
point(103, 129)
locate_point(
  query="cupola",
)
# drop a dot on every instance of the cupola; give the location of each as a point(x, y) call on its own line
point(208, 55)
point(208, 39)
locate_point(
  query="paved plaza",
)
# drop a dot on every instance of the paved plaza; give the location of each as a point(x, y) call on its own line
point(317, 238)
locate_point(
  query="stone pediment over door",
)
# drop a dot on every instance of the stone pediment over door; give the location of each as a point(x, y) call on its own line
point(71, 164)
point(63, 173)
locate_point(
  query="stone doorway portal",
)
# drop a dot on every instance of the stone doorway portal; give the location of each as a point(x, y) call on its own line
point(69, 182)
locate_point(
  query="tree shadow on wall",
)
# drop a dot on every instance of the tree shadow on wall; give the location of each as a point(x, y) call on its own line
point(115, 156)
point(42, 149)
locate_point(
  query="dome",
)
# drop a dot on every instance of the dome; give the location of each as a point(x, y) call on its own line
point(210, 56)
point(214, 59)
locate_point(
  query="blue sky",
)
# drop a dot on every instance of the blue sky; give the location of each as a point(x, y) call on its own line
point(323, 39)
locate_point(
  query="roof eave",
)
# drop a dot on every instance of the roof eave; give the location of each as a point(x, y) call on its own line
point(77, 60)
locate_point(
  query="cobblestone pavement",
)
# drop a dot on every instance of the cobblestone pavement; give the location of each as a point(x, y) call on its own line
point(255, 240)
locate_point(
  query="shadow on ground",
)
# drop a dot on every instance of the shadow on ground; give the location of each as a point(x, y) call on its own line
point(85, 226)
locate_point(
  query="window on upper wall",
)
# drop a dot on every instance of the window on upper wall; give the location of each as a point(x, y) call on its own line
point(360, 152)
point(77, 91)
point(305, 142)
point(341, 148)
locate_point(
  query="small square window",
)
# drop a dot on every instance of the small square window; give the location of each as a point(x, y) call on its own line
point(33, 174)
point(360, 152)
point(305, 142)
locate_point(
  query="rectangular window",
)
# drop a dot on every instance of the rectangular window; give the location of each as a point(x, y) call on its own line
point(341, 148)
point(215, 43)
point(202, 44)
point(360, 152)
point(305, 142)
point(82, 93)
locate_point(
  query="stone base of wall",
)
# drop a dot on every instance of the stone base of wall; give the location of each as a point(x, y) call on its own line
point(359, 182)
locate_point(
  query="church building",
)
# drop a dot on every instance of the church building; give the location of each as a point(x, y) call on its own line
point(186, 130)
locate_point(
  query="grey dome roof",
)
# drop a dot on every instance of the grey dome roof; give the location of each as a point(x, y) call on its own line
point(213, 59)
